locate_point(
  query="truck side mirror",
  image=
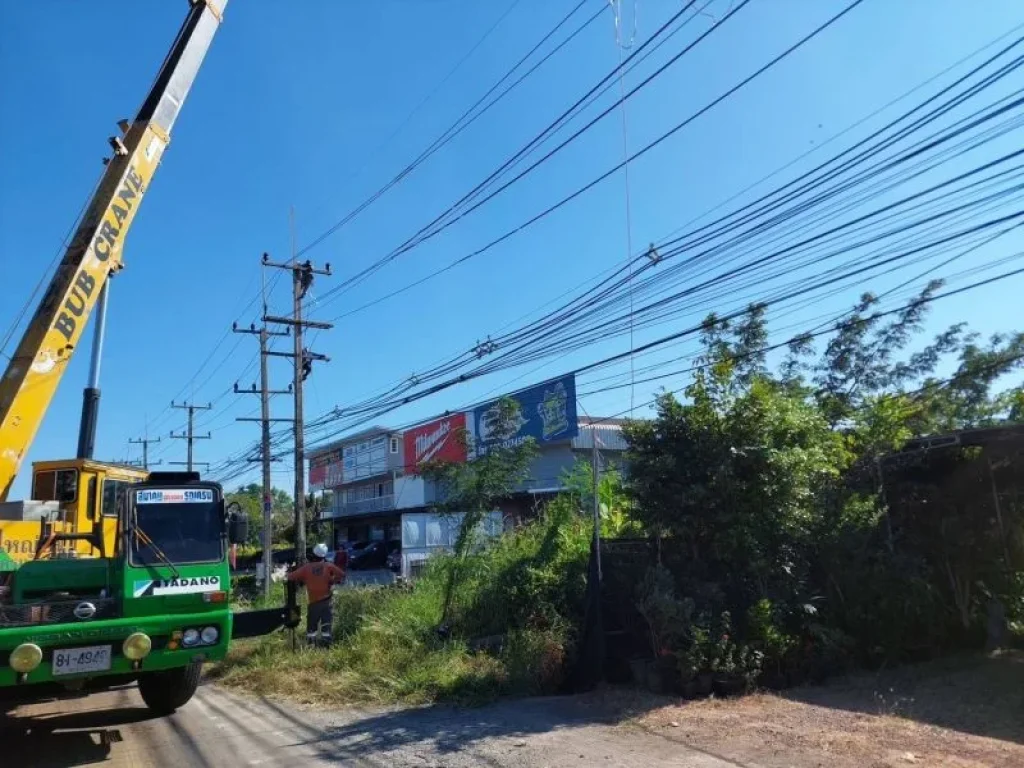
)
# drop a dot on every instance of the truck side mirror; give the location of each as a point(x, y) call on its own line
point(238, 524)
point(238, 528)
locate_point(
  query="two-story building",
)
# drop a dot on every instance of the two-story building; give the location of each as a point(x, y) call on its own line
point(373, 473)
point(360, 470)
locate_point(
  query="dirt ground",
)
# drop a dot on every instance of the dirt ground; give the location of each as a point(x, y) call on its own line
point(958, 713)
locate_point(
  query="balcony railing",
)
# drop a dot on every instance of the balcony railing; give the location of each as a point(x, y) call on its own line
point(362, 507)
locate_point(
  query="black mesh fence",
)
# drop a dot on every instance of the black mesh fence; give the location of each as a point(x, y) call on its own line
point(614, 632)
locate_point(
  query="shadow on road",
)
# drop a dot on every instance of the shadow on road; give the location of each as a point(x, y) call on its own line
point(980, 695)
point(65, 739)
point(448, 729)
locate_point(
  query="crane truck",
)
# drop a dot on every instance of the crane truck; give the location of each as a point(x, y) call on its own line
point(112, 574)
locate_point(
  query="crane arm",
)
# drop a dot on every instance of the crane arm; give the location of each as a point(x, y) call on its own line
point(50, 339)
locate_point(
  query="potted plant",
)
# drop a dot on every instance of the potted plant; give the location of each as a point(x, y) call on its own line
point(687, 678)
point(766, 632)
point(697, 663)
point(662, 673)
point(694, 676)
point(727, 682)
point(750, 666)
point(729, 660)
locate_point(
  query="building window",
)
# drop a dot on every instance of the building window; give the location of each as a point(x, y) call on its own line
point(394, 445)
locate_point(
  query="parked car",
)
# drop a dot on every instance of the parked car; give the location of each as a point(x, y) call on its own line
point(373, 555)
point(394, 561)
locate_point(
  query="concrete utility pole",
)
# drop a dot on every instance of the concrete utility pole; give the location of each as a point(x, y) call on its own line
point(144, 442)
point(190, 435)
point(302, 279)
point(265, 456)
point(596, 471)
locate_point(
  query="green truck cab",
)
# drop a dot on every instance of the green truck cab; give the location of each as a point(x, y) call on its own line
point(154, 611)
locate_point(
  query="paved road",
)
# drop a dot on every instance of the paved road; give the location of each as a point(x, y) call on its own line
point(218, 728)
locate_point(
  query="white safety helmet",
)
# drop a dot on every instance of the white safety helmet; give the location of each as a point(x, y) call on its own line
point(320, 550)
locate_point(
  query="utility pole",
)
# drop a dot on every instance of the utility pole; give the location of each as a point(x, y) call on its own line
point(302, 279)
point(144, 442)
point(596, 471)
point(265, 457)
point(190, 435)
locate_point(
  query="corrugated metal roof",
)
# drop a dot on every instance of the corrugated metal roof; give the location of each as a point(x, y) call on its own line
point(609, 438)
point(376, 429)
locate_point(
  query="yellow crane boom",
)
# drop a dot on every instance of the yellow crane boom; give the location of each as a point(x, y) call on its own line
point(50, 339)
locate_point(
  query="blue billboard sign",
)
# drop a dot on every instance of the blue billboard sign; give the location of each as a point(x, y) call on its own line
point(546, 413)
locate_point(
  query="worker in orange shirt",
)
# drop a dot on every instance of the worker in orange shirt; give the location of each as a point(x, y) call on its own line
point(319, 578)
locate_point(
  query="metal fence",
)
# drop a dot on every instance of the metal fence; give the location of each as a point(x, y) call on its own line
point(614, 632)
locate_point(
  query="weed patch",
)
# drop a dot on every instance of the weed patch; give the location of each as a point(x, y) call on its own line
point(522, 594)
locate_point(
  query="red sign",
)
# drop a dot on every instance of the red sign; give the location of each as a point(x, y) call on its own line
point(325, 470)
point(440, 440)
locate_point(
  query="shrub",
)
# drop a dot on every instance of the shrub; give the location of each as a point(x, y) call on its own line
point(535, 661)
point(526, 588)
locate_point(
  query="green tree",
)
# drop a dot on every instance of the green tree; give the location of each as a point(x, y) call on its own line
point(475, 488)
point(250, 498)
point(617, 519)
point(765, 489)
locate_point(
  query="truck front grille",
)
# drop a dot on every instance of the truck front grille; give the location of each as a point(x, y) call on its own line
point(62, 612)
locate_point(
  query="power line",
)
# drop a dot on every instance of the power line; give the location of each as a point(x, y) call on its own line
point(905, 157)
point(671, 237)
point(412, 242)
point(917, 302)
point(418, 238)
point(792, 248)
point(189, 436)
point(690, 331)
point(464, 120)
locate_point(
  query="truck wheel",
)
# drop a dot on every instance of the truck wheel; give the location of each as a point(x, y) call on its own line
point(164, 692)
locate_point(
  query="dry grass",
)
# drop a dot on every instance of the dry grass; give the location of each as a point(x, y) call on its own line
point(375, 666)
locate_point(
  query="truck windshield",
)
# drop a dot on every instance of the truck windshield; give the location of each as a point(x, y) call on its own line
point(181, 525)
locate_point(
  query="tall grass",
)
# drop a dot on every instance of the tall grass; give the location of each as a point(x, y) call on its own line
point(515, 612)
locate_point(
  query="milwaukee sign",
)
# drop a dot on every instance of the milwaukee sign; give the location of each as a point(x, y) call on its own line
point(439, 440)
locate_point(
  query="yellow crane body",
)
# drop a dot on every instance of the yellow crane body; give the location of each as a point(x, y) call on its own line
point(55, 330)
point(74, 496)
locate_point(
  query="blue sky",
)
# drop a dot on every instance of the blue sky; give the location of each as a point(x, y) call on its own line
point(297, 106)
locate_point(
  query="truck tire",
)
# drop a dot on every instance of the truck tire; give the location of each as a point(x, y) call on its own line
point(165, 691)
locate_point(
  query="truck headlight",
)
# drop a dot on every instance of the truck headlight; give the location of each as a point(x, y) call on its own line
point(137, 646)
point(210, 635)
point(190, 638)
point(26, 657)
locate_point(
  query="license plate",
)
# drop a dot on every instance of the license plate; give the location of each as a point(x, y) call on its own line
point(72, 661)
